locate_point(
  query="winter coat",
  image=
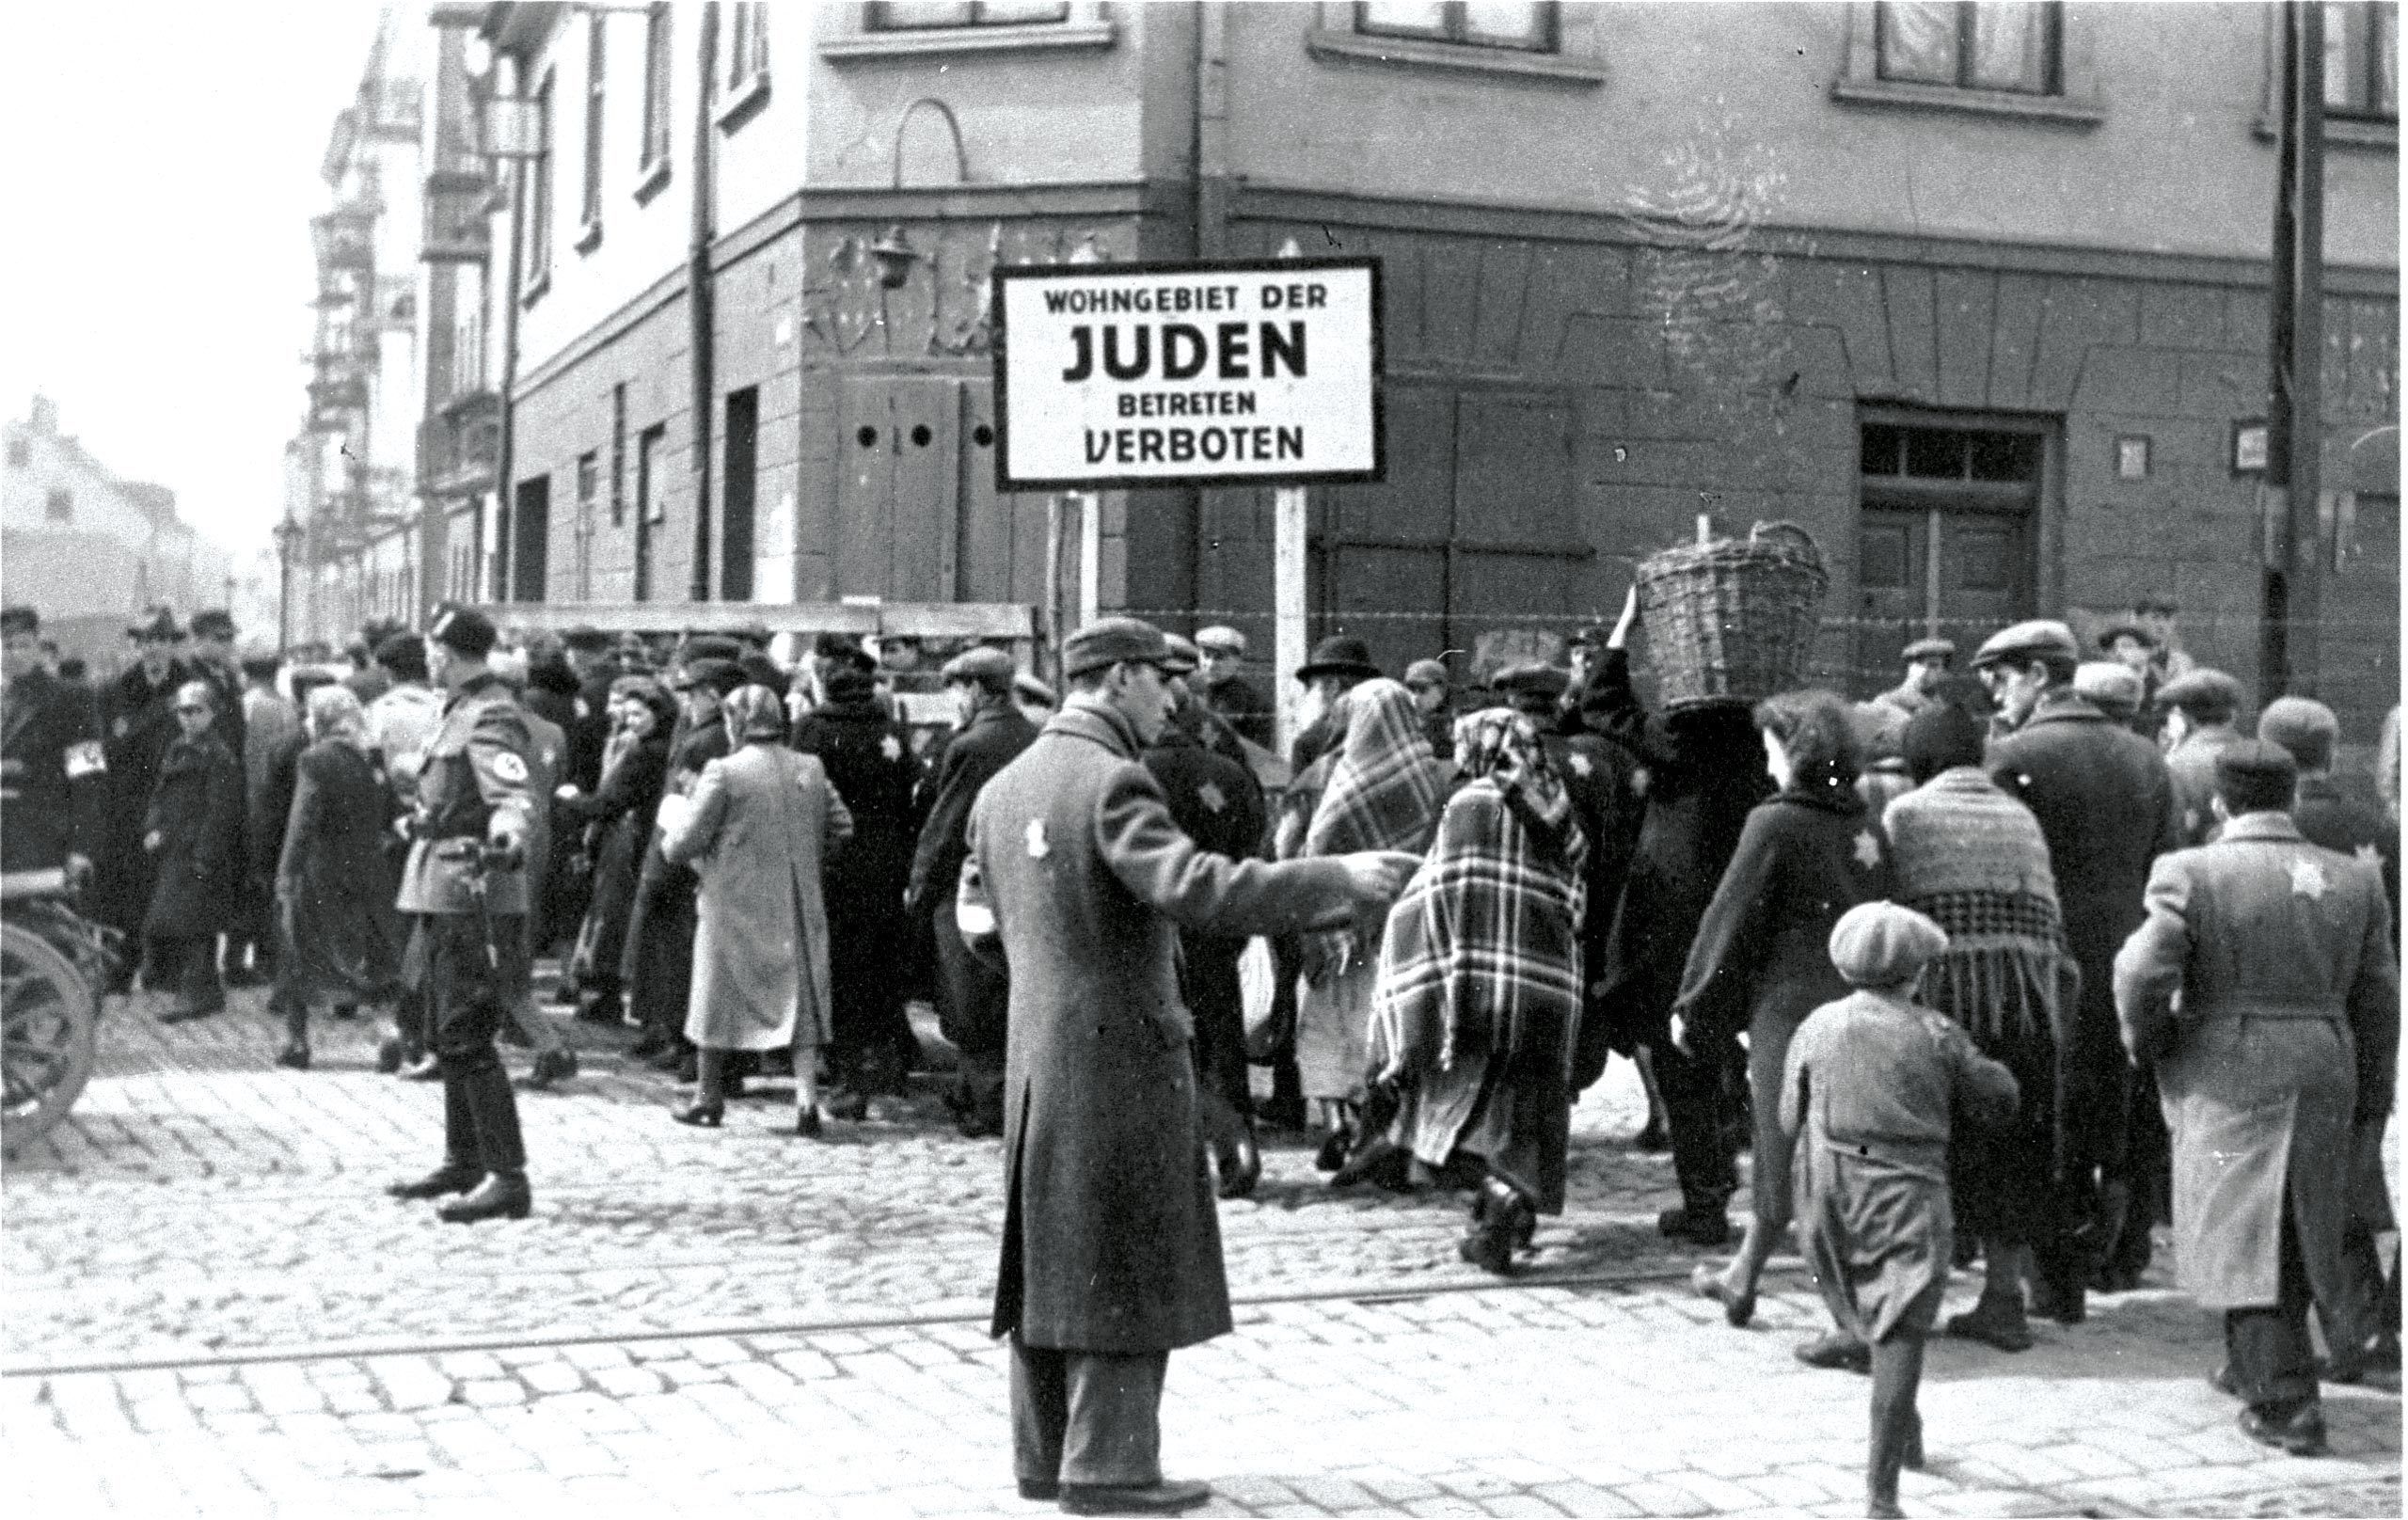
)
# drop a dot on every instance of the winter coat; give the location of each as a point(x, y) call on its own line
point(137, 727)
point(2286, 1032)
point(758, 830)
point(869, 761)
point(54, 774)
point(1704, 770)
point(1109, 1240)
point(2192, 765)
point(335, 879)
point(617, 821)
point(198, 813)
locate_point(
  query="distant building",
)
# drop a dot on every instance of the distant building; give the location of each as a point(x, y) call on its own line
point(89, 548)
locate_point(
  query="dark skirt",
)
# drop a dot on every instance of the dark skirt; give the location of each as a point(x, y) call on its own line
point(1513, 1117)
point(602, 937)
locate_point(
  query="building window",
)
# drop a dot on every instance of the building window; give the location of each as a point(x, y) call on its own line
point(2361, 59)
point(539, 195)
point(589, 211)
point(59, 508)
point(656, 89)
point(747, 43)
point(1527, 27)
point(914, 15)
point(2010, 45)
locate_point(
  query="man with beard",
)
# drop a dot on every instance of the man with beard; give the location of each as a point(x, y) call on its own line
point(869, 761)
point(971, 995)
point(2106, 807)
point(137, 725)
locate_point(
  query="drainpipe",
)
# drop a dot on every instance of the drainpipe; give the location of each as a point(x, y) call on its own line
point(698, 303)
point(505, 457)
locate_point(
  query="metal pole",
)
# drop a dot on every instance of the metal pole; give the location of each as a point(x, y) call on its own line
point(699, 304)
point(2289, 653)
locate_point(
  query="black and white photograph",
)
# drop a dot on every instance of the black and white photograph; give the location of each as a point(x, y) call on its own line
point(1302, 758)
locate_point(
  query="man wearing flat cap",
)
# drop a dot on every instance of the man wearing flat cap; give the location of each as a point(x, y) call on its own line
point(1111, 1255)
point(2199, 709)
point(1222, 681)
point(971, 994)
point(2262, 987)
point(465, 886)
point(1927, 661)
point(53, 770)
point(2105, 805)
point(138, 724)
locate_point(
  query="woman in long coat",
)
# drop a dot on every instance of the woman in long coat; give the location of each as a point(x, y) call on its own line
point(1705, 771)
point(756, 831)
point(1761, 961)
point(193, 832)
point(1384, 792)
point(340, 935)
point(1479, 984)
point(616, 819)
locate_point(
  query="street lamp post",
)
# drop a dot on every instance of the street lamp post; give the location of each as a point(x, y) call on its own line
point(288, 542)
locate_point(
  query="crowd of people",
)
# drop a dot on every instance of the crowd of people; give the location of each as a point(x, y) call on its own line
point(2008, 967)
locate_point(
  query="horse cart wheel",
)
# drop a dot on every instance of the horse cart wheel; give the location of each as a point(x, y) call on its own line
point(46, 1057)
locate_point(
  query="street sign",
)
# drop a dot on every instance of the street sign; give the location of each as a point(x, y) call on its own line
point(1187, 374)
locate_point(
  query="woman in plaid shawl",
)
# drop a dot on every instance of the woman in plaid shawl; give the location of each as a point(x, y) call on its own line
point(1384, 792)
point(1478, 1001)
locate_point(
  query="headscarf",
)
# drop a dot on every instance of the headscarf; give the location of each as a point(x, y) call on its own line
point(334, 713)
point(754, 712)
point(1386, 786)
point(1503, 745)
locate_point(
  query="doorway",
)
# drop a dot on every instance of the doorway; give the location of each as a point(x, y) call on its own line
point(1946, 537)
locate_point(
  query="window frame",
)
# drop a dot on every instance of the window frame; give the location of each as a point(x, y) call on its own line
point(1577, 63)
point(744, 83)
point(874, 10)
point(539, 207)
point(849, 35)
point(2077, 103)
point(2341, 130)
point(588, 235)
point(2053, 64)
point(1454, 28)
point(2358, 18)
point(659, 102)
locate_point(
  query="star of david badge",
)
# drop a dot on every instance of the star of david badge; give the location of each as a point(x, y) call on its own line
point(509, 766)
point(1640, 781)
point(1868, 850)
point(1038, 847)
point(1210, 794)
point(1582, 765)
point(892, 748)
point(2307, 879)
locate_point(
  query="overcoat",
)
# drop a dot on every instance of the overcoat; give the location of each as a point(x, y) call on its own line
point(656, 966)
point(198, 811)
point(52, 773)
point(971, 997)
point(2287, 1031)
point(2192, 765)
point(759, 827)
point(1110, 1240)
point(869, 762)
point(617, 821)
point(334, 877)
point(2105, 803)
point(136, 729)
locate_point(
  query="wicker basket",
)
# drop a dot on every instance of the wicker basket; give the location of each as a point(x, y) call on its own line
point(1732, 619)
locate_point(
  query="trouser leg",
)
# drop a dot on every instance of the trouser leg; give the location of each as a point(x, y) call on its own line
point(1693, 1101)
point(1898, 1427)
point(1113, 1432)
point(469, 1001)
point(978, 1088)
point(1040, 1412)
point(2274, 1365)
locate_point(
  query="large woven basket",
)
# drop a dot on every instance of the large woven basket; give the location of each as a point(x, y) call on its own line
point(1732, 619)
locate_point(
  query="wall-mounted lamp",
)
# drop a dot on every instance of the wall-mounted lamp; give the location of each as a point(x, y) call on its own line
point(895, 256)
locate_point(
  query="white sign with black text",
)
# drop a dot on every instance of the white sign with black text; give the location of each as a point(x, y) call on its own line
point(1142, 374)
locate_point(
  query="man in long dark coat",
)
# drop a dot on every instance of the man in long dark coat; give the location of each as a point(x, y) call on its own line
point(870, 763)
point(971, 994)
point(52, 771)
point(2106, 807)
point(1111, 1250)
point(2284, 1039)
point(136, 728)
point(657, 964)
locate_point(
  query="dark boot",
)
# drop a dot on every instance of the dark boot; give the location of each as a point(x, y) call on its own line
point(295, 1055)
point(449, 1178)
point(558, 1064)
point(500, 1195)
point(493, 1110)
point(710, 1093)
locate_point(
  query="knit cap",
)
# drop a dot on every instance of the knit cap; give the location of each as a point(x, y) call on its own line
point(1882, 944)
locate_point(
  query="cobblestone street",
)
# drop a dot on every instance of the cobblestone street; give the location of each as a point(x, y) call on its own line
point(212, 1310)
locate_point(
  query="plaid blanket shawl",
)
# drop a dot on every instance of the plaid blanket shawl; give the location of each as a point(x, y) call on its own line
point(1487, 932)
point(1385, 790)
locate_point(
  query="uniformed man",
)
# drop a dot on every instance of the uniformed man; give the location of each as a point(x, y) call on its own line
point(1111, 1250)
point(2106, 807)
point(2198, 709)
point(465, 886)
point(52, 766)
point(2262, 987)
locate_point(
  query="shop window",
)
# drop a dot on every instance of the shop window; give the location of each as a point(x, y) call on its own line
point(1970, 44)
point(915, 15)
point(1529, 26)
point(2362, 59)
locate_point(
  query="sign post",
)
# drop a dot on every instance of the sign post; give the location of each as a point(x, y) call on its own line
point(1117, 376)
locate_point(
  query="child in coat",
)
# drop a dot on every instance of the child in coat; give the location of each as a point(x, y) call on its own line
point(1873, 1079)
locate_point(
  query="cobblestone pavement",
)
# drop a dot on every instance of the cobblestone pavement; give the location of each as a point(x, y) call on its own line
point(210, 1310)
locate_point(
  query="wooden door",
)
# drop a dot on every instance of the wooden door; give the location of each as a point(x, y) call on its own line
point(1378, 566)
point(2358, 654)
point(896, 492)
point(1894, 592)
point(1518, 554)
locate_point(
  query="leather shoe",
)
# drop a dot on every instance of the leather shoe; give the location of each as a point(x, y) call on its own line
point(500, 1195)
point(1241, 1168)
point(446, 1179)
point(1698, 1228)
point(701, 1116)
point(1117, 1499)
point(555, 1065)
point(1992, 1328)
point(1836, 1353)
point(1039, 1490)
point(807, 1126)
point(295, 1057)
point(2301, 1431)
point(388, 1055)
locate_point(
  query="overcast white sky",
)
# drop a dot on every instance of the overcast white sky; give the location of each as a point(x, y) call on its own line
point(155, 267)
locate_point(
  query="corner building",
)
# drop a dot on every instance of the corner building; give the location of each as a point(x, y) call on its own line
point(1977, 293)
